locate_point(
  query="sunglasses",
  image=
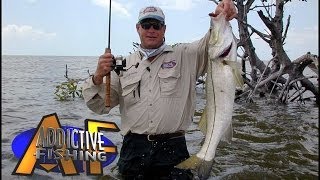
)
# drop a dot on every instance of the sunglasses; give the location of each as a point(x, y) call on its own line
point(147, 25)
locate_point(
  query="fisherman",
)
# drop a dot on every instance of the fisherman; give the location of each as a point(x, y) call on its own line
point(156, 97)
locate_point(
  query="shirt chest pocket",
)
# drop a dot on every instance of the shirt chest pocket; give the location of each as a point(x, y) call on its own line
point(170, 83)
point(130, 86)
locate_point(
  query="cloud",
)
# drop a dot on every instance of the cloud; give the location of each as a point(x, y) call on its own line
point(116, 6)
point(180, 5)
point(25, 32)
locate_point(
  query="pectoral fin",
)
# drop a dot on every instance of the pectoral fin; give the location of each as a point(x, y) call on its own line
point(236, 72)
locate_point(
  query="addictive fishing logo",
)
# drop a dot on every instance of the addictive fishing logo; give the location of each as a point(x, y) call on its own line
point(64, 149)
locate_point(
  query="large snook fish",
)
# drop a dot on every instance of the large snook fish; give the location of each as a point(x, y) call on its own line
point(222, 77)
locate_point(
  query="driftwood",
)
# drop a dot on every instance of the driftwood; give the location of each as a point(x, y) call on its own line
point(282, 77)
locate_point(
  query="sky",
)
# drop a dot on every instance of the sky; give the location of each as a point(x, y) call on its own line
point(80, 27)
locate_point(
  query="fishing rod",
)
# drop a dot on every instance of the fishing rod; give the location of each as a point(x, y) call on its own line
point(108, 50)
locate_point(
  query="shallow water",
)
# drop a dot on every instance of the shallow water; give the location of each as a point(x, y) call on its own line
point(269, 141)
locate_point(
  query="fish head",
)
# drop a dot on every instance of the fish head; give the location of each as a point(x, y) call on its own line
point(222, 42)
point(223, 46)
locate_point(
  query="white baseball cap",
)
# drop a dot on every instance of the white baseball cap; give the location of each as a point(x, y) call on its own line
point(151, 12)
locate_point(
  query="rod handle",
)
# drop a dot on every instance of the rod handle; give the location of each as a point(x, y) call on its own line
point(108, 82)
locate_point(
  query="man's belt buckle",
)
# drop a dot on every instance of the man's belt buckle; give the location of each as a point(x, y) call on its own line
point(148, 137)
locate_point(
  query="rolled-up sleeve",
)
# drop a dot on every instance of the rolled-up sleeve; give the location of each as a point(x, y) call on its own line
point(202, 54)
point(94, 95)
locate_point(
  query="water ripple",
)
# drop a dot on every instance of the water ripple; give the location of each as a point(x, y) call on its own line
point(270, 141)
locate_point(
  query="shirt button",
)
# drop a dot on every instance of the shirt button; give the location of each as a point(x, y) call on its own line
point(150, 104)
point(151, 121)
point(150, 76)
point(149, 90)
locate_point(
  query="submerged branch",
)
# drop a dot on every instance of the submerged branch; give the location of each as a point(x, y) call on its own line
point(271, 77)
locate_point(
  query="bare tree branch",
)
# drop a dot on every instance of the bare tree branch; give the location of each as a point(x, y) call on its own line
point(262, 35)
point(241, 43)
point(255, 88)
point(267, 22)
point(286, 30)
point(271, 77)
point(264, 6)
point(302, 78)
point(310, 56)
point(267, 10)
point(248, 4)
point(299, 95)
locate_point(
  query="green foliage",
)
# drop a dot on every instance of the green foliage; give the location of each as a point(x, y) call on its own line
point(68, 90)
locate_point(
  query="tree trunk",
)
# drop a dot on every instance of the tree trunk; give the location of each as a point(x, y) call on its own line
point(281, 63)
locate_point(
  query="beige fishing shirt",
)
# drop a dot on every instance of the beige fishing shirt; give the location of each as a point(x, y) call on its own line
point(156, 97)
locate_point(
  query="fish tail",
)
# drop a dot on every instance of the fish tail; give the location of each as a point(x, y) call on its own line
point(204, 169)
point(195, 163)
point(191, 163)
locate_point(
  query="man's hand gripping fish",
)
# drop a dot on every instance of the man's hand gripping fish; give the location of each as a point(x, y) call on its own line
point(222, 76)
